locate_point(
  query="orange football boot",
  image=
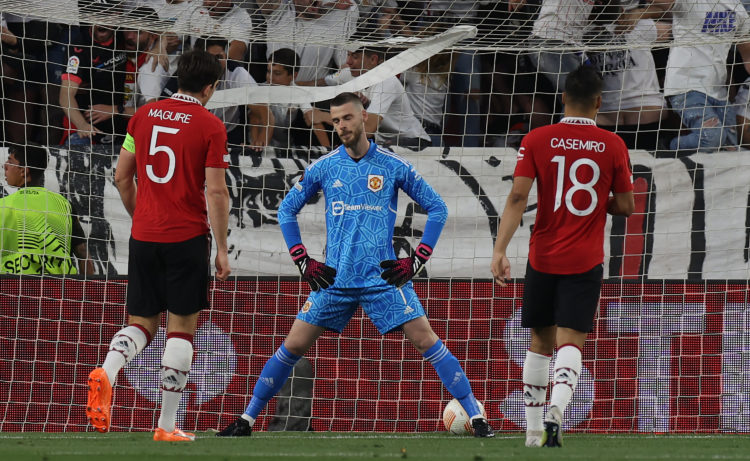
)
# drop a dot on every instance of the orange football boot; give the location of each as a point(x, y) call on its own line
point(99, 400)
point(160, 435)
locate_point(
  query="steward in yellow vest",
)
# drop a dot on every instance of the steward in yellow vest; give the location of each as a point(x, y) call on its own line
point(38, 233)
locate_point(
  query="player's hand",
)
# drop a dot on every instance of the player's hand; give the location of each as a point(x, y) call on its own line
point(222, 265)
point(399, 271)
point(500, 267)
point(315, 273)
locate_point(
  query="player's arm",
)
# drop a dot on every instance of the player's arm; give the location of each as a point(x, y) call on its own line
point(398, 272)
point(217, 196)
point(621, 204)
point(515, 205)
point(315, 273)
point(125, 175)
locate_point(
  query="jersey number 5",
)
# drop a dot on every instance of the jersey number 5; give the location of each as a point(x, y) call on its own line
point(577, 185)
point(154, 149)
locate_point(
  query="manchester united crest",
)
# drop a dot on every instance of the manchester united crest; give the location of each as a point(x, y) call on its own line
point(375, 182)
point(306, 307)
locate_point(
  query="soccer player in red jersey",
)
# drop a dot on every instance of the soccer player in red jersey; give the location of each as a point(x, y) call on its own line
point(178, 150)
point(577, 165)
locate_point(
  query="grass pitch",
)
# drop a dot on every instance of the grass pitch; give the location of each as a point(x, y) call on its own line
point(359, 446)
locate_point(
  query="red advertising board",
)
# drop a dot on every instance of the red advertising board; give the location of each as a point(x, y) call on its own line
point(664, 357)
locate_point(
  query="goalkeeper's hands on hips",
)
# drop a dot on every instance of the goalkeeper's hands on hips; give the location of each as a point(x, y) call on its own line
point(315, 273)
point(399, 271)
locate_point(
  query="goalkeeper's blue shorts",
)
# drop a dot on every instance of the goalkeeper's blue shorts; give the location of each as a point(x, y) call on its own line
point(387, 306)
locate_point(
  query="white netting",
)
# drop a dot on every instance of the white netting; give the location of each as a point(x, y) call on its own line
point(670, 349)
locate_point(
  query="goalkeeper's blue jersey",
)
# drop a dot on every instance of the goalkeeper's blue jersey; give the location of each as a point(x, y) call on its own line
point(360, 204)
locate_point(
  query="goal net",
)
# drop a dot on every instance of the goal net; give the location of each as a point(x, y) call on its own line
point(458, 84)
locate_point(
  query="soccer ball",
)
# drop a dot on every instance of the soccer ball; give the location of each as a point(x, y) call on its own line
point(456, 420)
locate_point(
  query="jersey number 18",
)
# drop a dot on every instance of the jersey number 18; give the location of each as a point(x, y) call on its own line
point(577, 185)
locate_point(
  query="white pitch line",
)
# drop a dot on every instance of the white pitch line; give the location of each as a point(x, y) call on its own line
point(275, 454)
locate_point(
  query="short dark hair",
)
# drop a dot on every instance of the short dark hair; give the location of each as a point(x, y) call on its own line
point(583, 85)
point(31, 156)
point(204, 43)
point(346, 98)
point(197, 69)
point(286, 58)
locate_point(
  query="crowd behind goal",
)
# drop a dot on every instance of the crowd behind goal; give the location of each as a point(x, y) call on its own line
point(666, 88)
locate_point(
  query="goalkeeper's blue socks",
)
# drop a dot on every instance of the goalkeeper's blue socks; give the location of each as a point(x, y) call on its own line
point(271, 380)
point(453, 377)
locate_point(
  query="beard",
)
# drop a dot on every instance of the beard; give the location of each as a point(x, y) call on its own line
point(356, 133)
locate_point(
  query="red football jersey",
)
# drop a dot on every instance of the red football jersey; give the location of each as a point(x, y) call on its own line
point(576, 166)
point(175, 140)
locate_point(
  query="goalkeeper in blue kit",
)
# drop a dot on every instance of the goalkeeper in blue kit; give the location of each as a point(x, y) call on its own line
point(360, 182)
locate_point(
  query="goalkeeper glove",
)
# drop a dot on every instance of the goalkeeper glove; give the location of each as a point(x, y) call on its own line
point(398, 272)
point(315, 273)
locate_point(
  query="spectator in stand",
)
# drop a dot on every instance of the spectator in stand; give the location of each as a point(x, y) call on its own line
point(140, 45)
point(561, 23)
point(466, 94)
point(391, 119)
point(24, 42)
point(94, 77)
point(742, 103)
point(233, 19)
point(38, 232)
point(298, 23)
point(382, 16)
point(293, 124)
point(235, 76)
point(153, 77)
point(426, 86)
point(632, 101)
point(94, 80)
point(695, 79)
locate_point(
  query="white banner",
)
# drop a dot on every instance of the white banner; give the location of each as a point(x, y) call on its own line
point(692, 218)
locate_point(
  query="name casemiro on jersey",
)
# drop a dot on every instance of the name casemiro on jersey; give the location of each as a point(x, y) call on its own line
point(577, 144)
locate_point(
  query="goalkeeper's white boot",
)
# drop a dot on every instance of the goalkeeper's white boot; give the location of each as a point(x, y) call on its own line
point(552, 436)
point(99, 400)
point(534, 438)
